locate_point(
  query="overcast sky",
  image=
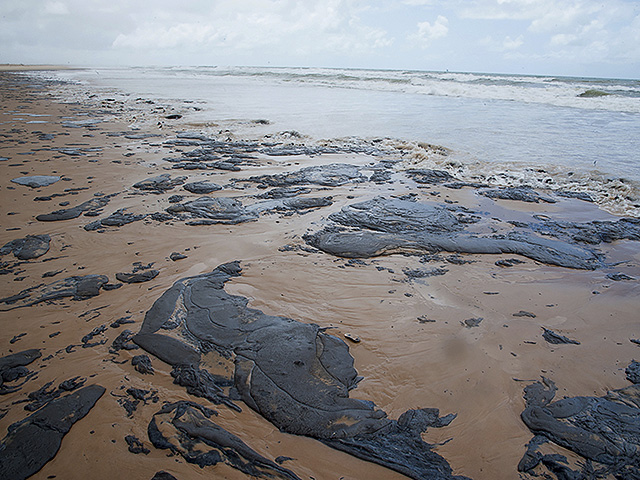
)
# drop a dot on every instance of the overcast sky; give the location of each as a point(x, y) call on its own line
point(549, 37)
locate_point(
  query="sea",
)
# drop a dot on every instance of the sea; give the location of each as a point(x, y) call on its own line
point(578, 133)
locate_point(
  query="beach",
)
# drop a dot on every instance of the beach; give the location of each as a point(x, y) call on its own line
point(449, 314)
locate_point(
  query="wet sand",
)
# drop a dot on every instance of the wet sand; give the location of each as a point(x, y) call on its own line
point(413, 352)
point(20, 67)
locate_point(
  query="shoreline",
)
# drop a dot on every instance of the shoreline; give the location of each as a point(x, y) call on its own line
point(407, 359)
point(498, 162)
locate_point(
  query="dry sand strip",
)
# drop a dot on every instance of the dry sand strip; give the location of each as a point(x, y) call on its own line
point(272, 307)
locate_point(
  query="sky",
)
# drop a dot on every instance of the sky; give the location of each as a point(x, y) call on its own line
point(543, 37)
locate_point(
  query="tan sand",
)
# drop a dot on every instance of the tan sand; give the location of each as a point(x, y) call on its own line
point(478, 373)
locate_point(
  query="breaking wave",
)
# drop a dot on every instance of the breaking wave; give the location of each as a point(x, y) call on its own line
point(612, 94)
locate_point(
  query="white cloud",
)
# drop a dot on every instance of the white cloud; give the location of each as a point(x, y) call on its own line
point(419, 3)
point(261, 25)
point(512, 44)
point(428, 32)
point(505, 46)
point(156, 36)
point(544, 15)
point(504, 9)
point(507, 35)
point(56, 8)
point(567, 17)
point(577, 31)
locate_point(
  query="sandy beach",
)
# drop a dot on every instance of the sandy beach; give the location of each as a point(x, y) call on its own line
point(460, 330)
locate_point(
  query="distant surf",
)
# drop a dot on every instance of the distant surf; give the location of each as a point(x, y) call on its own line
point(622, 95)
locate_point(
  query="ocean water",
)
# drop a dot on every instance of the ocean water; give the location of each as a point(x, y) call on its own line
point(566, 128)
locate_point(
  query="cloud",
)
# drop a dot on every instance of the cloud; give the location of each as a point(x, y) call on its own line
point(419, 3)
point(507, 35)
point(570, 17)
point(269, 26)
point(504, 9)
point(544, 15)
point(512, 44)
point(152, 36)
point(506, 46)
point(428, 32)
point(585, 31)
point(56, 8)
